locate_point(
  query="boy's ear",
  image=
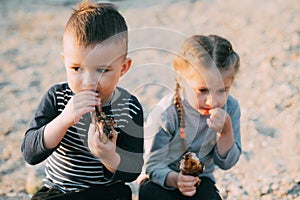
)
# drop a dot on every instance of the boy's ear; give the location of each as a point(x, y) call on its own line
point(126, 66)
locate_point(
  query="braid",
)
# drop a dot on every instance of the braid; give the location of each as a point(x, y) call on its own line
point(180, 111)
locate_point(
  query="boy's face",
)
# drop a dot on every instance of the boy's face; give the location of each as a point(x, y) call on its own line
point(208, 90)
point(94, 68)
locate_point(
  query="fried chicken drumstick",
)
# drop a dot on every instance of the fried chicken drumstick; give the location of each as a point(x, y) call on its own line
point(190, 165)
point(104, 125)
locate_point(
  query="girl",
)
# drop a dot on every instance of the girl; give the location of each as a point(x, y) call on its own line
point(201, 117)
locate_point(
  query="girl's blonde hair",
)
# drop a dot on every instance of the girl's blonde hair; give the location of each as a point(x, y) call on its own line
point(207, 50)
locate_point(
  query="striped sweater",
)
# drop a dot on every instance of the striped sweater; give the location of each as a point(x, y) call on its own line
point(71, 166)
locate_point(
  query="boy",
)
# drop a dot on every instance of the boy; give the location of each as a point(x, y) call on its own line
point(79, 165)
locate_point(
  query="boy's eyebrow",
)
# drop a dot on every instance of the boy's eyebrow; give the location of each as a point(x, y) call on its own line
point(75, 64)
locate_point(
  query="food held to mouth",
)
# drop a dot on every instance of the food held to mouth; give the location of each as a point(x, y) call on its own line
point(104, 125)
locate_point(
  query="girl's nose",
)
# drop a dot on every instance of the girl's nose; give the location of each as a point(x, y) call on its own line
point(211, 101)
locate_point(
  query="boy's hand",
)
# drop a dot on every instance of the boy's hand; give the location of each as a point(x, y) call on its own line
point(106, 152)
point(79, 105)
point(187, 184)
point(218, 120)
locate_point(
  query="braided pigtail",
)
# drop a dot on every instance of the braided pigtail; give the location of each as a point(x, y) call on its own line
point(180, 112)
point(179, 107)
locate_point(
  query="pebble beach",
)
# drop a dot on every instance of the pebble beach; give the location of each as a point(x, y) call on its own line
point(266, 34)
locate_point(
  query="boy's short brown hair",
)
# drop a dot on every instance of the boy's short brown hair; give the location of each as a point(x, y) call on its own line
point(92, 23)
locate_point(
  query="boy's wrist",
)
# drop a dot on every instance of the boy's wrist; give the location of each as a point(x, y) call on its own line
point(66, 120)
point(112, 162)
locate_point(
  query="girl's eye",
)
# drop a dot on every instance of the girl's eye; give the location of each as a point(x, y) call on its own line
point(100, 70)
point(203, 90)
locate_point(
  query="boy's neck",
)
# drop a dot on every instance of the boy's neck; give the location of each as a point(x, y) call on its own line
point(114, 95)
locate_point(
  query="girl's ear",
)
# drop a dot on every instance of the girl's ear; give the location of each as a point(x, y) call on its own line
point(62, 56)
point(126, 66)
point(180, 64)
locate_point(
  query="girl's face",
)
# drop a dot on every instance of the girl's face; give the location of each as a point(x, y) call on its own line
point(207, 90)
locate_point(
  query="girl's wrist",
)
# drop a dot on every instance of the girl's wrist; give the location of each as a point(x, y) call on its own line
point(171, 180)
point(227, 128)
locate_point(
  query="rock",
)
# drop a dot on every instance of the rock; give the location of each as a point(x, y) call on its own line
point(34, 179)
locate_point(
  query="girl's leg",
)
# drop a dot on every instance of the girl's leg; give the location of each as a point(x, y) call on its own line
point(205, 191)
point(151, 191)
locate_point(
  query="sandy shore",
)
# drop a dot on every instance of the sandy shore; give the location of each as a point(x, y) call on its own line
point(266, 35)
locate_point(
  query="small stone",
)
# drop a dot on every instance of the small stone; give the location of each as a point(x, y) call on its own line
point(265, 190)
point(34, 179)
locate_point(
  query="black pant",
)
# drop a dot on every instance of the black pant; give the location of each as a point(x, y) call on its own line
point(118, 191)
point(205, 191)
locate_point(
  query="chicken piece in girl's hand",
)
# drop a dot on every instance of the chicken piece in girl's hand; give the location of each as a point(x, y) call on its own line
point(190, 165)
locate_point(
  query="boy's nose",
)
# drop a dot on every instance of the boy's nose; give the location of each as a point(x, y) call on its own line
point(89, 82)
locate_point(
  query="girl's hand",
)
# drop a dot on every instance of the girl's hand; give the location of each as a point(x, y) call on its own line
point(218, 120)
point(106, 152)
point(79, 105)
point(187, 184)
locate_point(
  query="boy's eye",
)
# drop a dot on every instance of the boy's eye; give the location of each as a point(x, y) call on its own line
point(223, 90)
point(76, 69)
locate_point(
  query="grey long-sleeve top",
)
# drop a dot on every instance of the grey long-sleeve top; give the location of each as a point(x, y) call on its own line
point(167, 149)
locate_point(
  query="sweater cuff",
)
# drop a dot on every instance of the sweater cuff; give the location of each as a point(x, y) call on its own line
point(230, 158)
point(159, 177)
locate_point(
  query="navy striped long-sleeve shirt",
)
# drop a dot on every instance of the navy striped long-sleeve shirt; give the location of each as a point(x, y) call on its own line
point(71, 166)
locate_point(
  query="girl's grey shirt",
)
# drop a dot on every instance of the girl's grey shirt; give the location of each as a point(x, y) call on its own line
point(167, 148)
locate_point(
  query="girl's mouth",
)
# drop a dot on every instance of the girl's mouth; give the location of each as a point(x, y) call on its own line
point(205, 111)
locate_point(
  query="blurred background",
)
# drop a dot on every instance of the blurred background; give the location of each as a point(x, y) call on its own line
point(266, 34)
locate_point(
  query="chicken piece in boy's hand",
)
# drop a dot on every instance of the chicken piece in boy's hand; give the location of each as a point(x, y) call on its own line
point(104, 125)
point(190, 165)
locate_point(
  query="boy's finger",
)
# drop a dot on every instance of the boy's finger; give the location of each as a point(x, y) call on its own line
point(91, 133)
point(114, 140)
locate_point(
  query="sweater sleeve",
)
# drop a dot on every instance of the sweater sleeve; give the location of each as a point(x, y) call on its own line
point(130, 146)
point(234, 153)
point(32, 147)
point(157, 166)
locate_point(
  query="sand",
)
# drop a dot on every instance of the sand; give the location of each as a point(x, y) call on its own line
point(265, 34)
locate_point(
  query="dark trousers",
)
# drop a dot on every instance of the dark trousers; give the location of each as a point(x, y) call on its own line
point(205, 191)
point(112, 192)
